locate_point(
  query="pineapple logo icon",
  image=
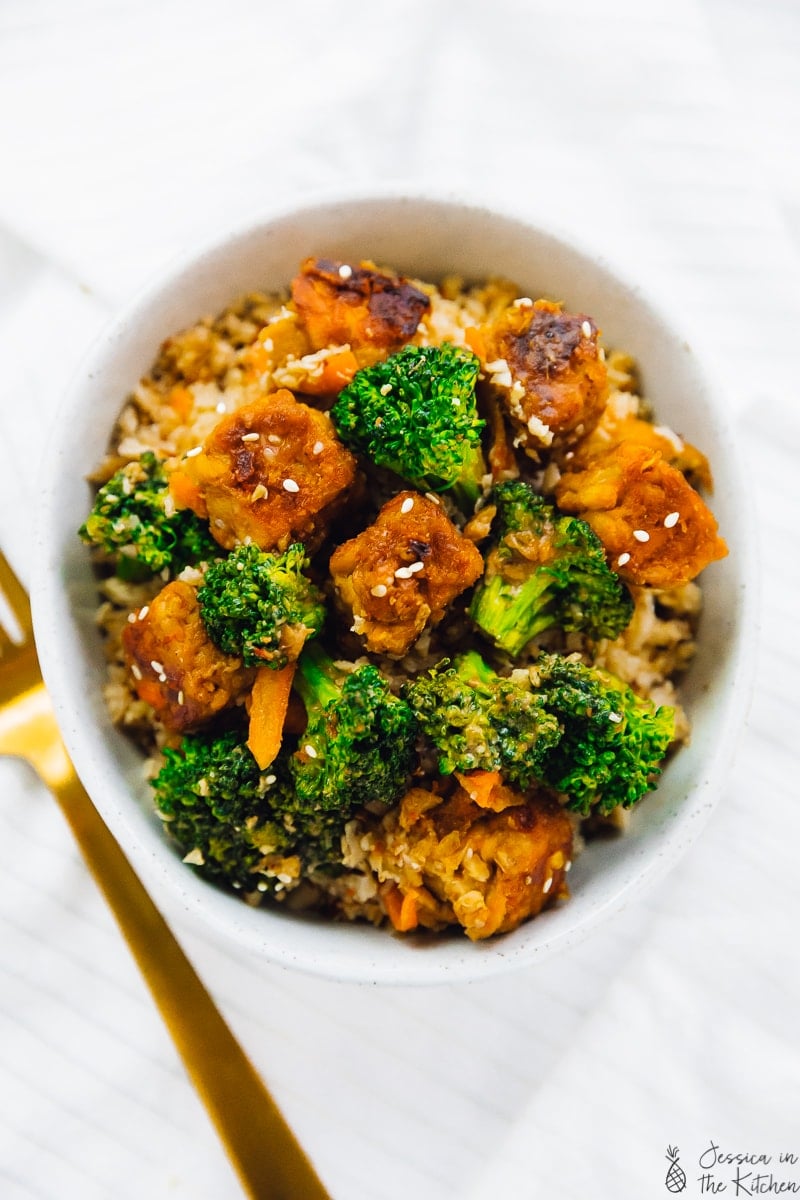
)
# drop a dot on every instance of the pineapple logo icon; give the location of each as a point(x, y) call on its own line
point(676, 1176)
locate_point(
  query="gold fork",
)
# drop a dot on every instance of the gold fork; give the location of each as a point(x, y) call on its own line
point(269, 1160)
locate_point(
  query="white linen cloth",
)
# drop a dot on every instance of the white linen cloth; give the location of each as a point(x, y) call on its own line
point(664, 132)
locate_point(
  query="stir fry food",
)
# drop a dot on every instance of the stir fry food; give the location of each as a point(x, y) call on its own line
point(397, 580)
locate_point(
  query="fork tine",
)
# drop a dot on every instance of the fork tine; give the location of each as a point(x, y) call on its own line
point(16, 626)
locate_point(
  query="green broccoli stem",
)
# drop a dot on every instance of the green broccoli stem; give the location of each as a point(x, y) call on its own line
point(468, 487)
point(315, 677)
point(512, 617)
point(474, 670)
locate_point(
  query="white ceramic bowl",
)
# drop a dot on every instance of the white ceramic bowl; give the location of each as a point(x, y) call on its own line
point(427, 237)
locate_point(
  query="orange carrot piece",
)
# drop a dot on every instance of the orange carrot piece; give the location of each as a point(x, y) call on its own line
point(338, 370)
point(408, 913)
point(474, 339)
point(186, 493)
point(401, 908)
point(149, 691)
point(479, 785)
point(182, 400)
point(268, 704)
point(393, 903)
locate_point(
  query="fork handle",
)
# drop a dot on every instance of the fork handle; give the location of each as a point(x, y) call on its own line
point(269, 1160)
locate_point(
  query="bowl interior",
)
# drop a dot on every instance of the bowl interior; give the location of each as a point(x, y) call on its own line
point(428, 238)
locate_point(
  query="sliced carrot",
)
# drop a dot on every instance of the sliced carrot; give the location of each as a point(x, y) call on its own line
point(149, 691)
point(474, 339)
point(408, 913)
point(256, 360)
point(479, 785)
point(401, 908)
point(268, 704)
point(393, 903)
point(502, 462)
point(186, 493)
point(182, 400)
point(338, 369)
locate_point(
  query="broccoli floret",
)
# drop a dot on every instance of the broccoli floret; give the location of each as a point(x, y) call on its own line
point(129, 520)
point(415, 414)
point(613, 740)
point(261, 606)
point(542, 570)
point(216, 805)
point(478, 720)
point(359, 745)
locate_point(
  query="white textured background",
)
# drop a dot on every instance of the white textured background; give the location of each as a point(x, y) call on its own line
point(665, 132)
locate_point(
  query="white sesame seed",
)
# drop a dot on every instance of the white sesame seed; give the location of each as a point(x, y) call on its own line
point(318, 447)
point(623, 558)
point(615, 717)
point(385, 388)
point(548, 883)
point(221, 407)
point(131, 618)
point(403, 573)
point(641, 535)
point(259, 492)
point(586, 329)
point(157, 667)
point(271, 779)
point(162, 678)
point(416, 566)
point(345, 271)
point(407, 505)
point(289, 485)
point(523, 302)
point(567, 865)
point(310, 751)
point(379, 589)
point(250, 437)
point(143, 612)
point(671, 519)
point(219, 523)
point(262, 885)
point(180, 697)
point(273, 437)
point(268, 344)
point(194, 451)
point(529, 880)
point(135, 671)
